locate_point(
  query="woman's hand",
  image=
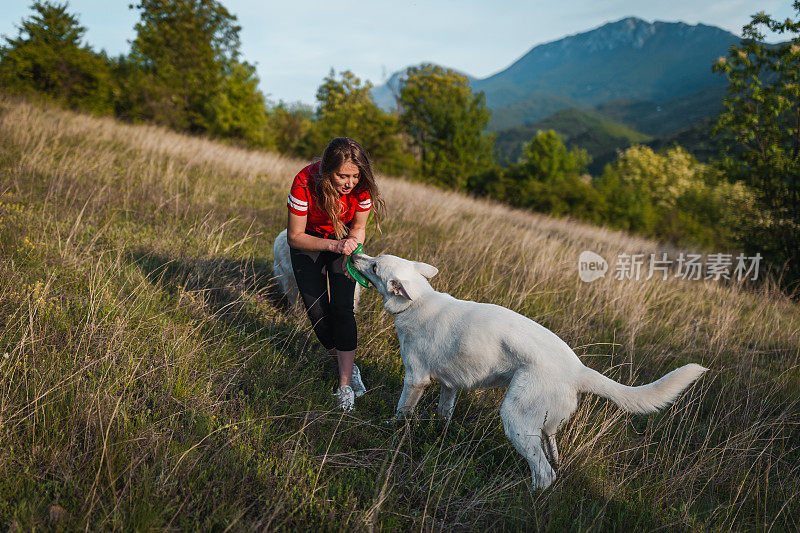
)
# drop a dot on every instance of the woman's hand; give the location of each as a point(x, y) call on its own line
point(345, 246)
point(344, 269)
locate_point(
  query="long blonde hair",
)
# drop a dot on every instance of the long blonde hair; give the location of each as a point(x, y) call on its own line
point(338, 151)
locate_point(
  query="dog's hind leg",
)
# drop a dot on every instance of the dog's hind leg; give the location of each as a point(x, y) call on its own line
point(523, 419)
point(561, 404)
point(552, 450)
point(447, 402)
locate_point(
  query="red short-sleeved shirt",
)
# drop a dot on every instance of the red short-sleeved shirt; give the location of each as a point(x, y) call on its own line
point(302, 202)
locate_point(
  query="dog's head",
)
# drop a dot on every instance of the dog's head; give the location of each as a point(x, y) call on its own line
point(399, 281)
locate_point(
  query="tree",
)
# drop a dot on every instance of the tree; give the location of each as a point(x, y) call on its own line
point(187, 70)
point(346, 109)
point(547, 178)
point(238, 108)
point(48, 58)
point(762, 116)
point(546, 158)
point(446, 121)
point(291, 128)
point(552, 177)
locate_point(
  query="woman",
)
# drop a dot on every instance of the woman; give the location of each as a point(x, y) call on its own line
point(329, 203)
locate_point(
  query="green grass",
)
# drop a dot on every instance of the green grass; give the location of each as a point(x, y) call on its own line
point(150, 377)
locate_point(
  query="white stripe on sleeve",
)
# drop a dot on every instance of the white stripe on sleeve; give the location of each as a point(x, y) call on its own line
point(295, 206)
point(297, 201)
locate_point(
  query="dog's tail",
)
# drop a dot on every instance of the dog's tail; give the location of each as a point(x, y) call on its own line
point(646, 398)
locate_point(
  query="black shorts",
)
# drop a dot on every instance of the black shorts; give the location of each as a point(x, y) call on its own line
point(330, 311)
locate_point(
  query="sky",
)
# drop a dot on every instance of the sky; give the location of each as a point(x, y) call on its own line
point(294, 45)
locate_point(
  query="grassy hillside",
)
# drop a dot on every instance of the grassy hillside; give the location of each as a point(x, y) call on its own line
point(579, 128)
point(150, 380)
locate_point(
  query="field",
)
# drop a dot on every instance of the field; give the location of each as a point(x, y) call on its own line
point(151, 379)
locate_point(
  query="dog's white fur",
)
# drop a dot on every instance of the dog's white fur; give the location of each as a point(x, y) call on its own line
point(470, 345)
point(282, 270)
point(284, 275)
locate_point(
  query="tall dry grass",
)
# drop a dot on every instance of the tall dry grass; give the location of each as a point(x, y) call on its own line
point(150, 378)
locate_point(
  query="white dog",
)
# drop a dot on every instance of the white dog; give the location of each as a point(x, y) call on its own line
point(470, 345)
point(282, 270)
point(284, 275)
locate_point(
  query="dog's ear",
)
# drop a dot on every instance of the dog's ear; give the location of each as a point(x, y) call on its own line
point(425, 269)
point(395, 287)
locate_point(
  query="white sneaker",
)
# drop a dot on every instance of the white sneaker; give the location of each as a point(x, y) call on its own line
point(358, 385)
point(346, 398)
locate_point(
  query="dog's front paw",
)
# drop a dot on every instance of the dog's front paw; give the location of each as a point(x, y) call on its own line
point(542, 480)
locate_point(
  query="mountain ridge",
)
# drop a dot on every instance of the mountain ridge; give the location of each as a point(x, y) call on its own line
point(628, 59)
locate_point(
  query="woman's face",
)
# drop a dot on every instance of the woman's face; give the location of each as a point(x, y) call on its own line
point(345, 178)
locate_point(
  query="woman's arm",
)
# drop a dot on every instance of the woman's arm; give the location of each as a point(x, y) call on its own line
point(298, 238)
point(356, 235)
point(358, 227)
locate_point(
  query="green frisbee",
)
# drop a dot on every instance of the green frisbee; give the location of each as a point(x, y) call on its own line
point(358, 276)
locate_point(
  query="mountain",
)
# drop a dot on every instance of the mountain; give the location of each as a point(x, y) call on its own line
point(697, 139)
point(384, 95)
point(630, 60)
point(577, 128)
point(667, 117)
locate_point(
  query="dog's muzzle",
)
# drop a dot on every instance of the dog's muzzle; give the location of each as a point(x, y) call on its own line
point(361, 262)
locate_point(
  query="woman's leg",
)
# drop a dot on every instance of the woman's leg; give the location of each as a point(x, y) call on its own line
point(345, 366)
point(311, 284)
point(342, 289)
